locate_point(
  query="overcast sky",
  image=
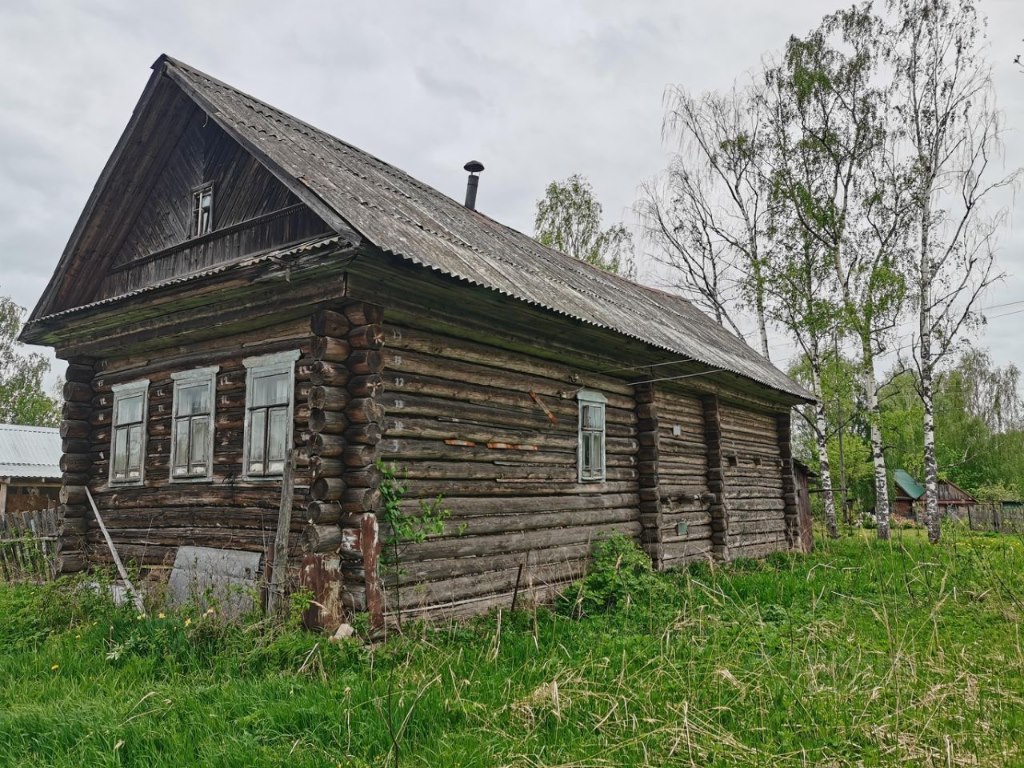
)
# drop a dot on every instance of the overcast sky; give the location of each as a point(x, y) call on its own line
point(535, 90)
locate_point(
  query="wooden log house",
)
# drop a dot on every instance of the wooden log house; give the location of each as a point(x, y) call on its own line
point(241, 283)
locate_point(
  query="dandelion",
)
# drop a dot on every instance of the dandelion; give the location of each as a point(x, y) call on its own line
point(161, 615)
point(55, 667)
point(188, 622)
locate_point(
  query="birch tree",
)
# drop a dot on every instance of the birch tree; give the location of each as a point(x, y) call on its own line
point(838, 171)
point(22, 398)
point(946, 110)
point(707, 216)
point(569, 220)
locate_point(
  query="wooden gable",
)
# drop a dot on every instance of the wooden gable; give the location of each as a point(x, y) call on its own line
point(135, 231)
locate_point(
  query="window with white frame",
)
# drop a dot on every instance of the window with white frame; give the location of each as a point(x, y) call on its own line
point(269, 401)
point(202, 211)
point(192, 436)
point(591, 436)
point(128, 432)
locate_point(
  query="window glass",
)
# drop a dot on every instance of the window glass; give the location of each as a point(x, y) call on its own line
point(270, 389)
point(193, 423)
point(193, 399)
point(129, 409)
point(591, 436)
point(127, 439)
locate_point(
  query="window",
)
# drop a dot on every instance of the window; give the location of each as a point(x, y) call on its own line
point(192, 436)
point(269, 397)
point(591, 440)
point(202, 211)
point(128, 436)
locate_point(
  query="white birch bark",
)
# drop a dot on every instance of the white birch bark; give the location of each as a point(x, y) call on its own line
point(828, 498)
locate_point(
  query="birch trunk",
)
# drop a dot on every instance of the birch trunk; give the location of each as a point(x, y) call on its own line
point(821, 431)
point(931, 469)
point(877, 455)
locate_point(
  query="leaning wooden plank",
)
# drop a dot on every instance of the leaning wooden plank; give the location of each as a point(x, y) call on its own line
point(275, 595)
point(136, 597)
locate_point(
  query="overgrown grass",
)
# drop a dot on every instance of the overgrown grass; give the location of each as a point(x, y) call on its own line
point(862, 654)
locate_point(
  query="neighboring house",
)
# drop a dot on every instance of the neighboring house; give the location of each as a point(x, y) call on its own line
point(241, 284)
point(953, 501)
point(30, 475)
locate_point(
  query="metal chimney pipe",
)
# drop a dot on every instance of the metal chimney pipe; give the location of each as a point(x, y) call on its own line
point(474, 167)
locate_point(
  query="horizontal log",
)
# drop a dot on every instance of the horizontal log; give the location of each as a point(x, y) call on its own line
point(364, 410)
point(320, 466)
point(366, 336)
point(75, 462)
point(327, 489)
point(74, 428)
point(366, 386)
point(360, 313)
point(464, 507)
point(77, 392)
point(320, 444)
point(75, 411)
point(363, 362)
point(358, 500)
point(328, 398)
point(72, 494)
point(76, 445)
point(331, 422)
point(324, 373)
point(329, 538)
point(361, 477)
point(364, 434)
point(320, 512)
point(79, 373)
point(330, 348)
point(433, 488)
point(326, 322)
point(359, 455)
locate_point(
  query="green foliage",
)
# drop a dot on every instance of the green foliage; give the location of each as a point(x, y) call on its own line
point(569, 220)
point(619, 577)
point(854, 655)
point(22, 398)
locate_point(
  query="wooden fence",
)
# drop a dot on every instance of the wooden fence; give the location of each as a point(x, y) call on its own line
point(29, 546)
point(1002, 518)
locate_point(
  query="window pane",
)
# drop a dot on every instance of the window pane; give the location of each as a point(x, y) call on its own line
point(592, 417)
point(193, 399)
point(135, 451)
point(257, 440)
point(129, 410)
point(597, 462)
point(271, 389)
point(181, 447)
point(120, 457)
point(277, 436)
point(197, 455)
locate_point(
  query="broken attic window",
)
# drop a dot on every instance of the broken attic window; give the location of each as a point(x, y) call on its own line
point(202, 211)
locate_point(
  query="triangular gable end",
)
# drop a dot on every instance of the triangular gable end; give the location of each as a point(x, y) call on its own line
point(136, 227)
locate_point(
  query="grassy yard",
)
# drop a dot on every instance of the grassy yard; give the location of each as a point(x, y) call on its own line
point(861, 654)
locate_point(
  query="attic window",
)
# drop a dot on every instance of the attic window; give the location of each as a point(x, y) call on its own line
point(202, 211)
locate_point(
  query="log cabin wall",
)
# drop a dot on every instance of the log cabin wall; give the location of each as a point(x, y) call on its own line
point(683, 478)
point(148, 522)
point(495, 434)
point(754, 482)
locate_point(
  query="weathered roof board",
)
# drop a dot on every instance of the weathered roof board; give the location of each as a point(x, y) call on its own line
point(29, 451)
point(400, 215)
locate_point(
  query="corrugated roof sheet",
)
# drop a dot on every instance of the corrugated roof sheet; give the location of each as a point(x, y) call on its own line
point(908, 484)
point(405, 217)
point(29, 451)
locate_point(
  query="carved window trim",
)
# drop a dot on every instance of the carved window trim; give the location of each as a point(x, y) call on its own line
point(126, 432)
point(591, 455)
point(257, 428)
point(186, 380)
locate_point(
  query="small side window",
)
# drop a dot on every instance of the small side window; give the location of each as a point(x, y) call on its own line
point(202, 211)
point(128, 433)
point(192, 435)
point(591, 452)
point(269, 403)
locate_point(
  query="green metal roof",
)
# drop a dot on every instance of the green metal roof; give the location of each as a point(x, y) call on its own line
point(908, 484)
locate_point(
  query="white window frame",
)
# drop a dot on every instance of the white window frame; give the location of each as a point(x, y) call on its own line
point(197, 226)
point(121, 392)
point(192, 378)
point(262, 365)
point(590, 399)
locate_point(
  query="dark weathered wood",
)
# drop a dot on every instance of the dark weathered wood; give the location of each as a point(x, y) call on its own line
point(364, 362)
point(359, 313)
point(321, 512)
point(364, 434)
point(365, 410)
point(326, 373)
point(77, 392)
point(327, 488)
point(326, 322)
point(328, 398)
point(331, 422)
point(366, 386)
point(326, 445)
point(330, 349)
point(276, 603)
point(366, 337)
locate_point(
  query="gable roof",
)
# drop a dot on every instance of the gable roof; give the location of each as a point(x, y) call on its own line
point(399, 215)
point(29, 451)
point(908, 484)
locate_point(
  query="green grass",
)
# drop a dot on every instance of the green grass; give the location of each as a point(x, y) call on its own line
point(861, 654)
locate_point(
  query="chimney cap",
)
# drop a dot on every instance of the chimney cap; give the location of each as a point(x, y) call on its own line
point(474, 166)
